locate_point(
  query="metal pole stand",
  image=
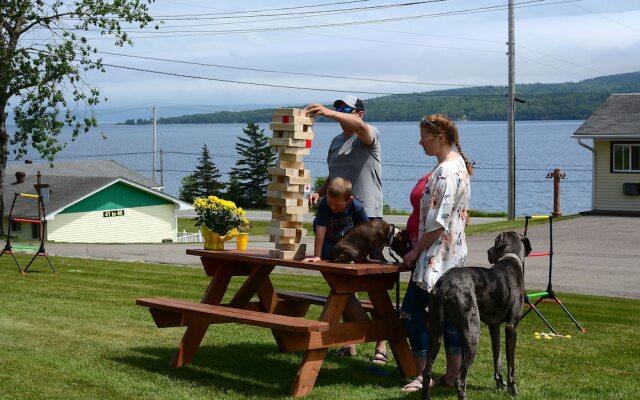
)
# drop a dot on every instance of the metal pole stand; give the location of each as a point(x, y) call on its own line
point(41, 220)
point(549, 293)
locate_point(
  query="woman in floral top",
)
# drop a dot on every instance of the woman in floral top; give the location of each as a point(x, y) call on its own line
point(441, 243)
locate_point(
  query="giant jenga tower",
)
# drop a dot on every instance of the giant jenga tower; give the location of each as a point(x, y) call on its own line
point(291, 140)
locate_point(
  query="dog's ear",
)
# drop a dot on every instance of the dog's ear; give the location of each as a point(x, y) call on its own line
point(391, 233)
point(527, 245)
point(494, 253)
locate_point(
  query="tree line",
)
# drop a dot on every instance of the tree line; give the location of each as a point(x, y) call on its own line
point(558, 101)
point(248, 180)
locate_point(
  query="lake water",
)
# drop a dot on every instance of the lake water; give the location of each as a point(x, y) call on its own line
point(541, 146)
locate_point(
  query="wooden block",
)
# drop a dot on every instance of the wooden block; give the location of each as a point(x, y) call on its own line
point(274, 201)
point(287, 142)
point(284, 232)
point(292, 119)
point(294, 112)
point(294, 125)
point(282, 239)
point(289, 255)
point(286, 224)
point(303, 135)
point(297, 180)
point(289, 164)
point(284, 187)
point(291, 150)
point(286, 210)
point(288, 172)
point(287, 246)
point(280, 216)
point(286, 195)
point(291, 157)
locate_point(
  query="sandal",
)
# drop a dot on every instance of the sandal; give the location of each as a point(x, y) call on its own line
point(413, 386)
point(440, 382)
point(343, 352)
point(379, 357)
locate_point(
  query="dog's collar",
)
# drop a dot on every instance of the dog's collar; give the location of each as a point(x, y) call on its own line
point(511, 255)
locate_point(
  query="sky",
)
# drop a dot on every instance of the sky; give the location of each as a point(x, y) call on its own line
point(429, 45)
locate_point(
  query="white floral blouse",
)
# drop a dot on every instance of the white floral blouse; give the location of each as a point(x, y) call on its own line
point(444, 203)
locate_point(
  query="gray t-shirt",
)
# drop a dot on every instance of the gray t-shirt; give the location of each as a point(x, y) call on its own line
point(351, 159)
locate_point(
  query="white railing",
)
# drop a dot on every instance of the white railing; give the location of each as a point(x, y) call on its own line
point(188, 237)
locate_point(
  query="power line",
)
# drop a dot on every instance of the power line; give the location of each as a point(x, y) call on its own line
point(283, 72)
point(304, 13)
point(271, 9)
point(287, 86)
point(607, 18)
point(477, 10)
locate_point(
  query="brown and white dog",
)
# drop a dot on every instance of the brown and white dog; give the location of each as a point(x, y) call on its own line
point(366, 238)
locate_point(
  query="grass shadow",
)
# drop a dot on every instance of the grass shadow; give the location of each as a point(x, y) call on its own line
point(256, 369)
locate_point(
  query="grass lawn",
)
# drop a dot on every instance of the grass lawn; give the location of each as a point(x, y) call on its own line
point(79, 335)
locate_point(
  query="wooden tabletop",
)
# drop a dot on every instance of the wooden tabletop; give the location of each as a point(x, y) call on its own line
point(253, 256)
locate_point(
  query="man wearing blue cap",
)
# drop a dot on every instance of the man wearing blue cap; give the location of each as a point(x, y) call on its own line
point(354, 155)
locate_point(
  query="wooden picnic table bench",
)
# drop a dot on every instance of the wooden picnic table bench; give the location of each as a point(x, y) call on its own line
point(284, 312)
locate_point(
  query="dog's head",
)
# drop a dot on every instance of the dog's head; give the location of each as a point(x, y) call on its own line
point(509, 242)
point(401, 243)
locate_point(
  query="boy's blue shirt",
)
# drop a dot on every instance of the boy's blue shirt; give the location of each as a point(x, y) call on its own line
point(338, 224)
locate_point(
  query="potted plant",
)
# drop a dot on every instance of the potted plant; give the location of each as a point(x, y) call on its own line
point(219, 220)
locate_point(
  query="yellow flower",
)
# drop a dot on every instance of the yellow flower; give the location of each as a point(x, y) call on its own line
point(219, 215)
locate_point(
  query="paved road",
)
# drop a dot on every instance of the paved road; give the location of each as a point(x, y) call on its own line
point(593, 255)
point(266, 216)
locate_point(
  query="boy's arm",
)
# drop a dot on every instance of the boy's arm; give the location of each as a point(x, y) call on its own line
point(317, 244)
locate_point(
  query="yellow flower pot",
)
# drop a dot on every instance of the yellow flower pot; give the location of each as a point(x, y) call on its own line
point(213, 240)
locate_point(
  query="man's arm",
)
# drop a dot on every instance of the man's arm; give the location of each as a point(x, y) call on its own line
point(322, 191)
point(351, 123)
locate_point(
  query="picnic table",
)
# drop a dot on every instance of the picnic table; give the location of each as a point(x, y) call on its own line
point(284, 312)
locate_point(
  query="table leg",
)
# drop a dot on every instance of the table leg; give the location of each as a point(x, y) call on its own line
point(197, 328)
point(313, 359)
point(400, 347)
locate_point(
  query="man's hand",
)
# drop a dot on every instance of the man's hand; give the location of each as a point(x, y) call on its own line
point(311, 259)
point(318, 109)
point(313, 198)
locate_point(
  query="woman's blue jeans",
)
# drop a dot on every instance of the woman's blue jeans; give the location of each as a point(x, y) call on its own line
point(413, 305)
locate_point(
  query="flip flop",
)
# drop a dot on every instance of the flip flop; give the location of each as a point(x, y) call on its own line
point(379, 357)
point(412, 386)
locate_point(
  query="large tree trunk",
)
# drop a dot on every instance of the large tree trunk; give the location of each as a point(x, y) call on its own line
point(4, 151)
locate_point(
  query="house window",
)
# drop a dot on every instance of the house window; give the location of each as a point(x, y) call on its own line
point(625, 157)
point(35, 231)
point(16, 226)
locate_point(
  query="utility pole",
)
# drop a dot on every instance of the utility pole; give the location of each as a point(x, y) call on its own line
point(153, 164)
point(511, 180)
point(162, 170)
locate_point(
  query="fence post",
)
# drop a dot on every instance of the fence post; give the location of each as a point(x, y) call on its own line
point(556, 175)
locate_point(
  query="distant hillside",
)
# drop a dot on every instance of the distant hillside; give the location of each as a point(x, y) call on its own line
point(541, 101)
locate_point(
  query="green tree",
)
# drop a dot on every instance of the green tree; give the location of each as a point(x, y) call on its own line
point(188, 189)
point(44, 57)
point(250, 176)
point(205, 180)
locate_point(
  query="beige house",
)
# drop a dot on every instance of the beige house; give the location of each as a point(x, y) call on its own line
point(90, 202)
point(615, 130)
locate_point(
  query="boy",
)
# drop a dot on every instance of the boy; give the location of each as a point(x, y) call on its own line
point(338, 212)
